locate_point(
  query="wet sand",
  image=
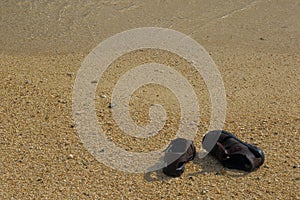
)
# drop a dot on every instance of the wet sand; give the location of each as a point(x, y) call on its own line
point(255, 44)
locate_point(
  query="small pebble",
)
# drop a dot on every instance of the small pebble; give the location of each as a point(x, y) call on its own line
point(70, 156)
point(203, 192)
point(101, 150)
point(295, 166)
point(93, 81)
point(192, 62)
point(70, 73)
point(111, 105)
point(103, 96)
point(39, 179)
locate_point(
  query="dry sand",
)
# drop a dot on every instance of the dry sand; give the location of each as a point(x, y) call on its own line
point(255, 44)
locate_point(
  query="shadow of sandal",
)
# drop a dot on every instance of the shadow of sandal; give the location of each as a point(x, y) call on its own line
point(211, 165)
point(208, 165)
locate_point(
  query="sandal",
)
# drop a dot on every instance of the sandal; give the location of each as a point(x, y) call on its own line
point(234, 153)
point(178, 153)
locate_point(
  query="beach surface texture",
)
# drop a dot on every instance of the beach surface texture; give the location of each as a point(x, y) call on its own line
point(255, 45)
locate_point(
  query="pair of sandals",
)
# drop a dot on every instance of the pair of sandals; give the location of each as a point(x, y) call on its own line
point(230, 151)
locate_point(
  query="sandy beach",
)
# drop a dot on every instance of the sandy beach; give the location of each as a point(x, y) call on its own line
point(255, 45)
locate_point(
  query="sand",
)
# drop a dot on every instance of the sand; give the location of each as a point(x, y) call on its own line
point(255, 45)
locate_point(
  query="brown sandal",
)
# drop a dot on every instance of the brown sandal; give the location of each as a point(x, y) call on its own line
point(234, 153)
point(178, 153)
